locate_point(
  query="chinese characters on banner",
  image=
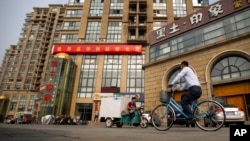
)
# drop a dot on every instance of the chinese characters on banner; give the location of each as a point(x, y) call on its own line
point(96, 49)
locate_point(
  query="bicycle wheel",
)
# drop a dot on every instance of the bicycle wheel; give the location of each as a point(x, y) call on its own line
point(209, 115)
point(163, 118)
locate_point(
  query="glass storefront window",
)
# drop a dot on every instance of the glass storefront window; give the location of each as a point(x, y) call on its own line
point(230, 67)
point(227, 28)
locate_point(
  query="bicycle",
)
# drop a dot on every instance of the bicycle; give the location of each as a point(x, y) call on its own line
point(209, 115)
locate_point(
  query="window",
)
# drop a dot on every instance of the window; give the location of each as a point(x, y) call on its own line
point(116, 8)
point(58, 28)
point(135, 74)
point(179, 83)
point(74, 13)
point(71, 25)
point(114, 31)
point(160, 8)
point(87, 76)
point(31, 103)
point(201, 2)
point(96, 8)
point(111, 71)
point(76, 2)
point(69, 38)
point(93, 31)
point(13, 103)
point(230, 68)
point(22, 103)
point(33, 28)
point(180, 8)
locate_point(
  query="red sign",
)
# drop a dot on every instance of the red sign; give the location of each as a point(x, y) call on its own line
point(96, 49)
point(54, 63)
point(47, 97)
point(49, 86)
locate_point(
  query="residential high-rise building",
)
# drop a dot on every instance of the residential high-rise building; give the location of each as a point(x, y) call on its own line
point(103, 44)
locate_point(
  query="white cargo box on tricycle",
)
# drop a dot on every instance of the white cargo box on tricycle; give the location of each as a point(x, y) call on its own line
point(113, 111)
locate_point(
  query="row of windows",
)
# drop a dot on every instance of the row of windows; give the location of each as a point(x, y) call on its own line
point(22, 103)
point(93, 31)
point(92, 34)
point(227, 28)
point(116, 8)
point(111, 74)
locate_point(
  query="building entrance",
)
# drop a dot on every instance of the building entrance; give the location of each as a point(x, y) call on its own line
point(84, 111)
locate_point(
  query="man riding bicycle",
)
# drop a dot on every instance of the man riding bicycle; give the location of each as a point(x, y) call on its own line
point(192, 85)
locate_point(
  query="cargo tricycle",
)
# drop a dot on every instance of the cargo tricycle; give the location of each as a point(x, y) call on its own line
point(136, 120)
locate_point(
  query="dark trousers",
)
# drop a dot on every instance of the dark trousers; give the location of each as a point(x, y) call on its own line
point(187, 98)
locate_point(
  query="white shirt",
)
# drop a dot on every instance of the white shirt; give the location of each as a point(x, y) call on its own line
point(189, 76)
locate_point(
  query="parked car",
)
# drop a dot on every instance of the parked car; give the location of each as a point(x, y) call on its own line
point(148, 115)
point(234, 115)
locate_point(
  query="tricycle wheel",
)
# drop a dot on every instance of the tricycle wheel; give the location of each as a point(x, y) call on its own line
point(119, 124)
point(144, 123)
point(108, 123)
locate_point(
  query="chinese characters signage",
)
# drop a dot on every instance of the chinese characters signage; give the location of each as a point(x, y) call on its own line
point(116, 96)
point(96, 49)
point(50, 86)
point(198, 18)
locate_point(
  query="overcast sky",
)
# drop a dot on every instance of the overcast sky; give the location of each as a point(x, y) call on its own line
point(13, 14)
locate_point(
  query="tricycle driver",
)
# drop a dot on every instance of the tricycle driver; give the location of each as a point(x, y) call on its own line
point(131, 107)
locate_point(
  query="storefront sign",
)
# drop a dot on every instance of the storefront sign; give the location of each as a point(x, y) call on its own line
point(201, 17)
point(100, 96)
point(96, 49)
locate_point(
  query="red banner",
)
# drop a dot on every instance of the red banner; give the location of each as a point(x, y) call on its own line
point(96, 49)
